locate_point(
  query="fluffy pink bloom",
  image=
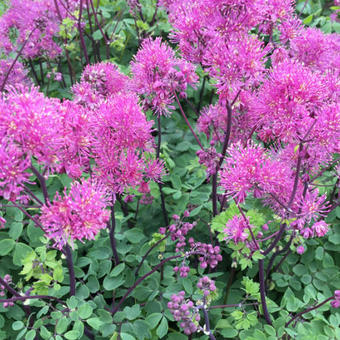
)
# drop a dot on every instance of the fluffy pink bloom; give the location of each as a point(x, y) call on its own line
point(13, 174)
point(288, 102)
point(122, 136)
point(33, 122)
point(250, 170)
point(98, 82)
point(236, 229)
point(316, 49)
point(79, 215)
point(157, 73)
point(235, 62)
point(36, 19)
point(310, 208)
point(75, 151)
point(17, 76)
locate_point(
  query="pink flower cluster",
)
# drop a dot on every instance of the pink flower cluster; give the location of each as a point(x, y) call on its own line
point(16, 77)
point(36, 22)
point(8, 280)
point(98, 82)
point(158, 74)
point(336, 302)
point(184, 312)
point(79, 215)
point(206, 285)
point(237, 229)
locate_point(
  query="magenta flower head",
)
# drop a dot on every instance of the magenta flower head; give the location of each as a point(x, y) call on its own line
point(98, 82)
point(36, 22)
point(158, 73)
point(79, 215)
point(236, 229)
point(122, 144)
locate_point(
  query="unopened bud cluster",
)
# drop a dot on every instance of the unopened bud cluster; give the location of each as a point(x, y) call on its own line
point(185, 312)
point(209, 255)
point(336, 302)
point(8, 280)
point(206, 285)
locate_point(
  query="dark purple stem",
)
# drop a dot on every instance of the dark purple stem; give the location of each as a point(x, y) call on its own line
point(158, 150)
point(16, 59)
point(140, 280)
point(223, 153)
point(112, 229)
point(239, 305)
point(149, 251)
point(206, 320)
point(42, 182)
point(263, 292)
point(81, 36)
point(24, 298)
point(70, 266)
point(308, 310)
point(186, 120)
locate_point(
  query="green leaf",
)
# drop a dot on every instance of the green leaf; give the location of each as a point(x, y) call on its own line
point(72, 302)
point(134, 235)
point(111, 283)
point(162, 329)
point(17, 325)
point(153, 319)
point(20, 252)
point(85, 311)
point(117, 270)
point(30, 335)
point(95, 323)
point(269, 330)
point(229, 332)
point(62, 325)
point(126, 336)
point(72, 335)
point(6, 246)
point(132, 312)
point(15, 230)
point(308, 20)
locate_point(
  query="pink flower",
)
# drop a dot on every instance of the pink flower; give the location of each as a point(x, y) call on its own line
point(300, 250)
point(13, 170)
point(98, 82)
point(79, 215)
point(157, 73)
point(236, 229)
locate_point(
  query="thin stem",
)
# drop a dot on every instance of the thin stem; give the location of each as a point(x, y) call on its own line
point(41, 72)
point(263, 292)
point(29, 216)
point(308, 310)
point(98, 24)
point(81, 36)
point(223, 153)
point(186, 120)
point(279, 252)
point(234, 305)
point(27, 309)
point(165, 213)
point(248, 226)
point(42, 182)
point(130, 290)
point(229, 284)
point(33, 297)
point(206, 320)
point(149, 251)
point(15, 60)
point(70, 266)
point(33, 71)
point(33, 195)
point(112, 235)
point(201, 93)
